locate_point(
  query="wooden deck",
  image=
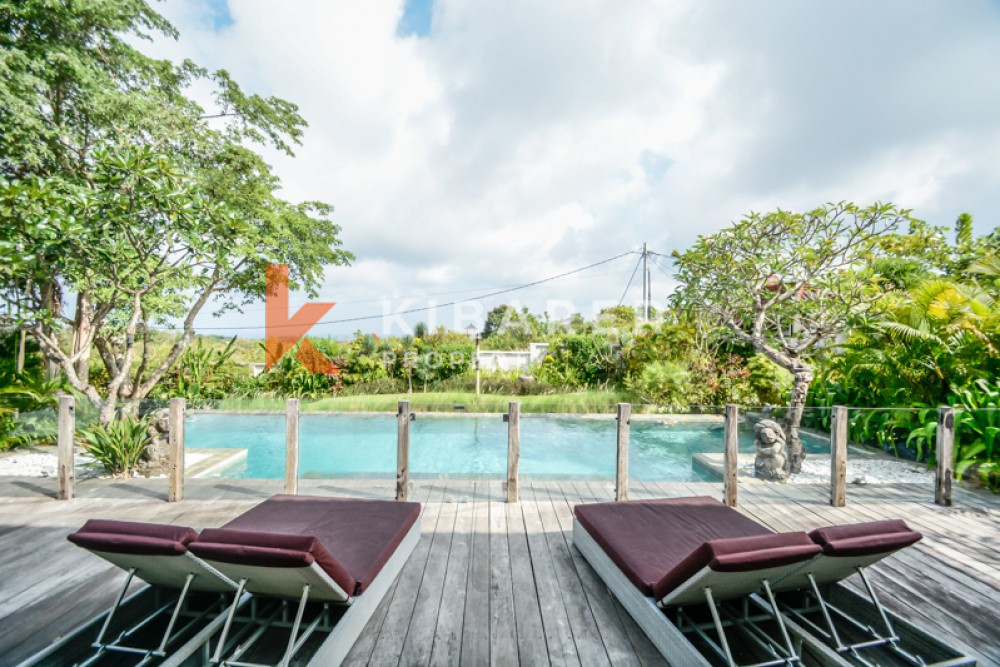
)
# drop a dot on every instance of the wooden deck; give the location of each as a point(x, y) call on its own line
point(492, 583)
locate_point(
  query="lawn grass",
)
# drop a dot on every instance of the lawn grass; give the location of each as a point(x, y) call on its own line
point(574, 402)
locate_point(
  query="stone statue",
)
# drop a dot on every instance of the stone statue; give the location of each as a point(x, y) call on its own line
point(769, 439)
point(157, 454)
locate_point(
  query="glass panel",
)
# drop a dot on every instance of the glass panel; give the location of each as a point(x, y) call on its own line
point(977, 442)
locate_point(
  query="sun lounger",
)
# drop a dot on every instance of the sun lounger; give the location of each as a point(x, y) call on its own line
point(157, 554)
point(811, 597)
point(708, 584)
point(338, 556)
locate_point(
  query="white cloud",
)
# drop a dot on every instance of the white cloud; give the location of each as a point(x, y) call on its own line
point(514, 141)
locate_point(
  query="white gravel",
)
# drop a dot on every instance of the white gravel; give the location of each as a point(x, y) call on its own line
point(861, 471)
point(43, 464)
point(28, 464)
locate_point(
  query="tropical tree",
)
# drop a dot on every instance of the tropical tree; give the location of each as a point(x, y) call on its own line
point(788, 283)
point(118, 188)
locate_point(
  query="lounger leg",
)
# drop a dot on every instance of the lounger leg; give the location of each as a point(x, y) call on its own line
point(229, 621)
point(778, 617)
point(878, 605)
point(160, 651)
point(826, 613)
point(295, 627)
point(718, 626)
point(107, 621)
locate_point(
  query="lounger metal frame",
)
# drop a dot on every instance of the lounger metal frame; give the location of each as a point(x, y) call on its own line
point(669, 630)
point(203, 577)
point(316, 586)
point(796, 633)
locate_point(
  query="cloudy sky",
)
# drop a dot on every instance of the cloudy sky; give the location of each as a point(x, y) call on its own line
point(469, 146)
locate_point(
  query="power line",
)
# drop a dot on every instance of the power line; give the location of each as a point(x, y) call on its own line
point(631, 278)
point(427, 308)
point(659, 266)
point(444, 293)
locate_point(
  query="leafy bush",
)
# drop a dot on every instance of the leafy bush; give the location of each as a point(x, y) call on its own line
point(380, 386)
point(27, 410)
point(9, 438)
point(581, 361)
point(770, 382)
point(667, 383)
point(118, 446)
point(501, 383)
point(720, 381)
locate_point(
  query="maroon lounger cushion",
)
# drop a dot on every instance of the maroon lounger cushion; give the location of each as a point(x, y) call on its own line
point(350, 539)
point(131, 537)
point(249, 547)
point(865, 539)
point(739, 554)
point(647, 539)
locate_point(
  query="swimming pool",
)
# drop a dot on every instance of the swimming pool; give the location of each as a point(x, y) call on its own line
point(551, 446)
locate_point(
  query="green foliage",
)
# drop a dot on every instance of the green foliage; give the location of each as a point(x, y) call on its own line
point(581, 361)
point(290, 378)
point(787, 283)
point(617, 317)
point(201, 373)
point(119, 445)
point(567, 402)
point(113, 187)
point(27, 410)
point(770, 382)
point(664, 383)
point(977, 426)
point(507, 329)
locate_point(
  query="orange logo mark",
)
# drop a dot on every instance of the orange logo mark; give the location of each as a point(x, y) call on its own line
point(282, 332)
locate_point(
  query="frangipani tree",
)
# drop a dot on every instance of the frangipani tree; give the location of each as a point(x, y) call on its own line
point(788, 283)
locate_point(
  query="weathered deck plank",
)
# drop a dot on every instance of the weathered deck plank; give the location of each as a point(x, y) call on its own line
point(491, 582)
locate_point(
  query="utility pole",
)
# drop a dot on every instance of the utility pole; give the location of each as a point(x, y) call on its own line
point(645, 285)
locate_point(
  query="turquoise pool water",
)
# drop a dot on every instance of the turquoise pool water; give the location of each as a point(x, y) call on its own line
point(551, 447)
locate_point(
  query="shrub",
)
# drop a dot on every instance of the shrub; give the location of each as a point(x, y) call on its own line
point(506, 383)
point(666, 383)
point(581, 361)
point(380, 386)
point(118, 446)
point(771, 382)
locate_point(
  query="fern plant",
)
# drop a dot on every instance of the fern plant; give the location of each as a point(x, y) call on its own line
point(119, 446)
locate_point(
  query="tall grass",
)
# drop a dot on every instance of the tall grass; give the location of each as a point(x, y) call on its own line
point(575, 402)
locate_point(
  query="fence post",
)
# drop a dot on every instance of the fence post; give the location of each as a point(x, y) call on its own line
point(945, 455)
point(403, 450)
point(838, 456)
point(175, 446)
point(292, 446)
point(67, 431)
point(731, 454)
point(478, 339)
point(621, 468)
point(513, 419)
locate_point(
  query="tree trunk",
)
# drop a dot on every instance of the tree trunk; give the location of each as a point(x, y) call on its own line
point(20, 349)
point(81, 334)
point(107, 411)
point(50, 296)
point(793, 420)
